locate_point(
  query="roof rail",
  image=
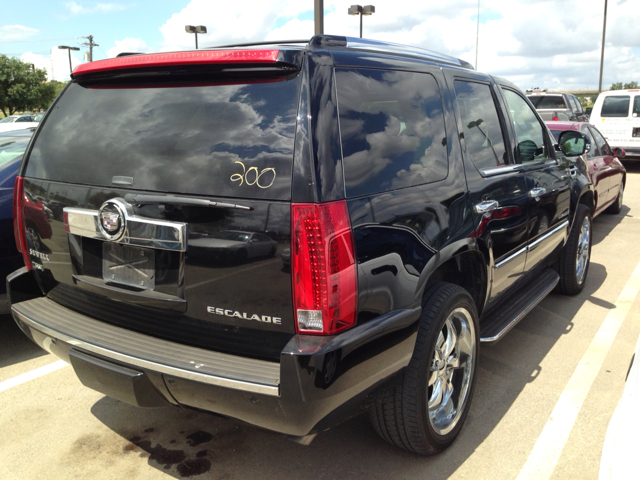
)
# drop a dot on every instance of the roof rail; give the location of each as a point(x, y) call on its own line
point(251, 44)
point(328, 41)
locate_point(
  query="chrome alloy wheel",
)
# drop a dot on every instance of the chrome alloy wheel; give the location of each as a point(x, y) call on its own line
point(451, 371)
point(582, 255)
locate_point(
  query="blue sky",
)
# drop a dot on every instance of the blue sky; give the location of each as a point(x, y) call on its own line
point(545, 43)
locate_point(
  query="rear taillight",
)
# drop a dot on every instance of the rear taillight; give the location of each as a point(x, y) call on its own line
point(555, 119)
point(19, 230)
point(325, 284)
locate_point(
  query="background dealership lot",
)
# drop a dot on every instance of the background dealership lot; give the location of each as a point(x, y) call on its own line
point(53, 427)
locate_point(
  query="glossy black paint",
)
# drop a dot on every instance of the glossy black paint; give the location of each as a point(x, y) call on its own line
point(405, 240)
point(70, 267)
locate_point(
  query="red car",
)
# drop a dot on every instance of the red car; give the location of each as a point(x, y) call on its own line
point(607, 173)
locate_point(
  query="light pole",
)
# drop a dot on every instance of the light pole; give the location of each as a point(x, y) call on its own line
point(68, 49)
point(197, 29)
point(604, 29)
point(360, 10)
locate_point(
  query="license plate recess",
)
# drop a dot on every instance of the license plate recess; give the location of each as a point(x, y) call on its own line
point(127, 265)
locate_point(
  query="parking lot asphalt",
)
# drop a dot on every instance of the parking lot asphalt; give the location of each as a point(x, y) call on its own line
point(543, 401)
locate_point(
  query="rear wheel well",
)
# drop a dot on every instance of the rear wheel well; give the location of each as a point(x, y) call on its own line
point(466, 270)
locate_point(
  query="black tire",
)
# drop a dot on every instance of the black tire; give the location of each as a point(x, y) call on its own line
point(572, 275)
point(241, 256)
point(403, 417)
point(616, 207)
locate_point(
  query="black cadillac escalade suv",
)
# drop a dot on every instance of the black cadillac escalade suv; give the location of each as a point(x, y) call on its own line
point(293, 234)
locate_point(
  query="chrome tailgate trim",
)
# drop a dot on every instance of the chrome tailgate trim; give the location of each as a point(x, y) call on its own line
point(152, 353)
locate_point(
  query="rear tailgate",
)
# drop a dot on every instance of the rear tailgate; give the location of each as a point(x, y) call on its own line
point(191, 168)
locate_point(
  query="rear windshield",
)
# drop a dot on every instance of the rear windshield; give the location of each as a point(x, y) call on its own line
point(615, 106)
point(547, 101)
point(221, 140)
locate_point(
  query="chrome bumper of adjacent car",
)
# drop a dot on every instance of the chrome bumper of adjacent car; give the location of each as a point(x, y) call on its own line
point(136, 349)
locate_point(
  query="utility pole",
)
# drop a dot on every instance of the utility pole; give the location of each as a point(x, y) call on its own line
point(477, 33)
point(319, 16)
point(604, 29)
point(90, 44)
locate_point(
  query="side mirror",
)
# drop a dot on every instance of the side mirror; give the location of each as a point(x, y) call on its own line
point(619, 152)
point(589, 110)
point(573, 143)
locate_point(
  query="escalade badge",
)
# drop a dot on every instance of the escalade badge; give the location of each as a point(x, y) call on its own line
point(112, 220)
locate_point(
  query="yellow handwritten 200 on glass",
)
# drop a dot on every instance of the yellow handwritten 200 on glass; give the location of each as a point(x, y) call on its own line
point(252, 177)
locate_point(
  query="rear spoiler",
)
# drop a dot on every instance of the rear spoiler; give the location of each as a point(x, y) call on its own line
point(282, 58)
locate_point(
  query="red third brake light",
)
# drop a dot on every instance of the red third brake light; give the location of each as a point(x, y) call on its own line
point(324, 277)
point(19, 230)
point(201, 57)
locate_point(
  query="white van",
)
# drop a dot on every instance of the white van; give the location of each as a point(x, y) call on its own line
point(617, 115)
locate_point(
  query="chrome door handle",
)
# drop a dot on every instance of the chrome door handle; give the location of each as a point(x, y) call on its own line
point(486, 207)
point(573, 171)
point(537, 193)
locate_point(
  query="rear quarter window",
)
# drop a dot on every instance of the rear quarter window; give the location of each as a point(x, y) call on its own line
point(615, 106)
point(392, 129)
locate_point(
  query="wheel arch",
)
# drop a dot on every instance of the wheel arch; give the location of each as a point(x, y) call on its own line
point(460, 264)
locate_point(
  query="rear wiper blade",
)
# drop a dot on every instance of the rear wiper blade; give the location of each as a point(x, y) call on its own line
point(141, 199)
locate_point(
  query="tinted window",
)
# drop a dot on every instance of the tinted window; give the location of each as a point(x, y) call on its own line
point(227, 140)
point(594, 148)
point(392, 129)
point(480, 124)
point(601, 142)
point(636, 105)
point(578, 105)
point(548, 101)
point(615, 106)
point(529, 131)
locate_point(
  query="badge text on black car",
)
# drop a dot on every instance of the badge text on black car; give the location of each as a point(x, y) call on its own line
point(245, 316)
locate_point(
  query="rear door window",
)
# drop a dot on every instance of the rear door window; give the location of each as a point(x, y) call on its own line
point(615, 106)
point(214, 139)
point(482, 132)
point(392, 130)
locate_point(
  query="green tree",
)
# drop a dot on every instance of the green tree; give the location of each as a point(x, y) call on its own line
point(23, 88)
point(623, 86)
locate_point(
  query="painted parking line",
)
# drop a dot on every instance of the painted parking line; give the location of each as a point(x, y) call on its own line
point(33, 374)
point(548, 448)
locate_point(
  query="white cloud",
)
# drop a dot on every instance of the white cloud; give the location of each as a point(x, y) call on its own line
point(77, 9)
point(128, 45)
point(543, 43)
point(56, 65)
point(229, 22)
point(16, 32)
